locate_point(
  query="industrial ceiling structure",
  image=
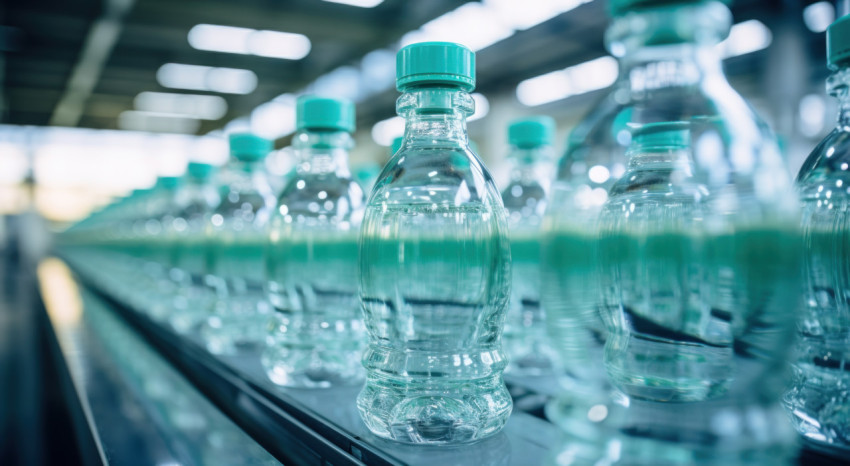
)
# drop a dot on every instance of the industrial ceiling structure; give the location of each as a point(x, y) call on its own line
point(107, 64)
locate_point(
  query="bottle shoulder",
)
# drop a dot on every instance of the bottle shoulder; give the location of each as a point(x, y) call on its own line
point(828, 161)
point(450, 176)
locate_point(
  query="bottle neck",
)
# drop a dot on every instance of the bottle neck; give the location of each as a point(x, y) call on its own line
point(668, 47)
point(659, 158)
point(435, 116)
point(838, 86)
point(322, 152)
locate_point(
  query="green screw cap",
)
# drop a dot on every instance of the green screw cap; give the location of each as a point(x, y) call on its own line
point(248, 147)
point(838, 43)
point(323, 113)
point(200, 171)
point(531, 132)
point(168, 181)
point(435, 63)
point(622, 7)
point(667, 135)
point(396, 145)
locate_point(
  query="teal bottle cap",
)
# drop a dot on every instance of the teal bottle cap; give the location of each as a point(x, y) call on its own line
point(435, 63)
point(200, 171)
point(396, 145)
point(248, 147)
point(622, 7)
point(531, 132)
point(168, 181)
point(324, 113)
point(838, 43)
point(667, 135)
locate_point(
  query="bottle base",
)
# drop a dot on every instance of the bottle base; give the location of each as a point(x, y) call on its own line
point(228, 335)
point(818, 403)
point(650, 369)
point(430, 413)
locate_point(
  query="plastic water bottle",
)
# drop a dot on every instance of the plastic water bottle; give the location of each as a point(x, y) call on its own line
point(434, 267)
point(153, 285)
point(531, 160)
point(198, 200)
point(570, 295)
point(697, 251)
point(235, 248)
point(311, 263)
point(819, 398)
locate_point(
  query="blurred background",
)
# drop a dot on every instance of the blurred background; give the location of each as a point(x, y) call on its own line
point(98, 97)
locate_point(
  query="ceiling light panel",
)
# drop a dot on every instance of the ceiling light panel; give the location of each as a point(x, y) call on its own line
point(207, 78)
point(205, 107)
point(246, 41)
point(358, 3)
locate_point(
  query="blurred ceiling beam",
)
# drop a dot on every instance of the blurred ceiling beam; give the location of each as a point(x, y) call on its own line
point(97, 47)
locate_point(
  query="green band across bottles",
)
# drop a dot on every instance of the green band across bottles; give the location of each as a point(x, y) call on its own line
point(435, 63)
point(249, 147)
point(531, 132)
point(324, 113)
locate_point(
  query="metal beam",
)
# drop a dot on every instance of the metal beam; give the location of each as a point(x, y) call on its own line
point(96, 49)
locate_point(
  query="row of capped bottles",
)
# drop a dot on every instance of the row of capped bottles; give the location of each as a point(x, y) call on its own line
point(661, 274)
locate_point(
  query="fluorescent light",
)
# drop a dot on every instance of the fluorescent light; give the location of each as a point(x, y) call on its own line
point(274, 119)
point(359, 3)
point(746, 37)
point(230, 39)
point(525, 14)
point(231, 80)
point(480, 25)
point(812, 115)
point(385, 131)
point(216, 38)
point(205, 107)
point(471, 24)
point(575, 80)
point(136, 120)
point(818, 16)
point(207, 78)
point(277, 44)
point(482, 107)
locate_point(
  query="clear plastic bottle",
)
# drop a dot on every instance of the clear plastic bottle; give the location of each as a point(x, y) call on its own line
point(234, 250)
point(434, 267)
point(593, 161)
point(198, 200)
point(311, 262)
point(697, 296)
point(154, 286)
point(531, 160)
point(819, 397)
